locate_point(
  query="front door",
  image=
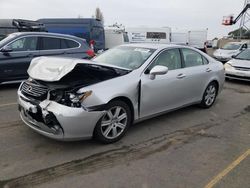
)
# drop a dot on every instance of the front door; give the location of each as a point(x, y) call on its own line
point(14, 64)
point(165, 92)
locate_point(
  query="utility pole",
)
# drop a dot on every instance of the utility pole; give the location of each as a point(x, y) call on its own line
point(244, 23)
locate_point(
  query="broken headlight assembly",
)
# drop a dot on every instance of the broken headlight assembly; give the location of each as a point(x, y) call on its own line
point(76, 99)
point(69, 98)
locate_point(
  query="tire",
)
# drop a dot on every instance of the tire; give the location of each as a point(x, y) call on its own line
point(209, 95)
point(113, 125)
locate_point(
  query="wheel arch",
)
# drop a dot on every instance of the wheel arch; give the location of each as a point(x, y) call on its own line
point(128, 102)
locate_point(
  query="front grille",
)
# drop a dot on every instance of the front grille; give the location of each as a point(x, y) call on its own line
point(35, 91)
point(242, 68)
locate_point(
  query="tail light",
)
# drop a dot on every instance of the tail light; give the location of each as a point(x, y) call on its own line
point(91, 53)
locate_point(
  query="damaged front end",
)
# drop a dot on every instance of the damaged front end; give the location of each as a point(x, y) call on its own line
point(53, 106)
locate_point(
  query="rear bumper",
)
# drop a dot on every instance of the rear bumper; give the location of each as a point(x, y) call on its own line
point(57, 121)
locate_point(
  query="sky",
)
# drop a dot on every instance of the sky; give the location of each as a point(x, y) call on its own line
point(177, 14)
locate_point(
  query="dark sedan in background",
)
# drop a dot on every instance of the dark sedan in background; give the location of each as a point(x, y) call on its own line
point(18, 49)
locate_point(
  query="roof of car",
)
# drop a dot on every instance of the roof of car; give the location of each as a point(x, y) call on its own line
point(44, 33)
point(153, 45)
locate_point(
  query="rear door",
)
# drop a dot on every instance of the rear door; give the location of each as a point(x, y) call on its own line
point(197, 72)
point(51, 46)
point(14, 64)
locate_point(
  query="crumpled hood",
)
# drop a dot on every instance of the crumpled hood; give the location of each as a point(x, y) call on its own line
point(225, 53)
point(51, 68)
point(239, 63)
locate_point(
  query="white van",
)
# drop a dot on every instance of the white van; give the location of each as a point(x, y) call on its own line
point(149, 35)
point(115, 36)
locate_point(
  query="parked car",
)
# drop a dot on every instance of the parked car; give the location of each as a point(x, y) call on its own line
point(90, 29)
point(8, 26)
point(239, 67)
point(225, 53)
point(18, 49)
point(69, 99)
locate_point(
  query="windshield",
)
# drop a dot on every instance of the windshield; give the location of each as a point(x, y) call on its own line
point(245, 55)
point(231, 46)
point(125, 56)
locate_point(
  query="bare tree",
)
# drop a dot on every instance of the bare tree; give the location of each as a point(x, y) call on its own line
point(99, 15)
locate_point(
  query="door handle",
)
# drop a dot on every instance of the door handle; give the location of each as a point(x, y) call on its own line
point(180, 76)
point(208, 70)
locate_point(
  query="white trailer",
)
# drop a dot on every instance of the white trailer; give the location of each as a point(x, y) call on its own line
point(149, 35)
point(115, 36)
point(178, 37)
point(197, 38)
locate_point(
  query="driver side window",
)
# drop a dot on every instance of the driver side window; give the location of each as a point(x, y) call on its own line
point(24, 44)
point(168, 58)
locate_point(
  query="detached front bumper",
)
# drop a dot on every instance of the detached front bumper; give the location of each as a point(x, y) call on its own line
point(57, 121)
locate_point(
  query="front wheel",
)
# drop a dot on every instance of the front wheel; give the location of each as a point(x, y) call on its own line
point(114, 123)
point(209, 95)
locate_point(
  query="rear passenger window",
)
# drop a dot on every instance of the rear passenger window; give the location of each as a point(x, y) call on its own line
point(192, 58)
point(72, 44)
point(50, 43)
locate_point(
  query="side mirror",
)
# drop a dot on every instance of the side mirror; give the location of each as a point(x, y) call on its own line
point(6, 49)
point(157, 70)
point(233, 56)
point(243, 48)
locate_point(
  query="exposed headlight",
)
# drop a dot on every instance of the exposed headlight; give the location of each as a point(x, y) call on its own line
point(228, 66)
point(78, 98)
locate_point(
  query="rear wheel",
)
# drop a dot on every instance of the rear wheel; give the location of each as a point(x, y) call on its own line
point(209, 95)
point(114, 123)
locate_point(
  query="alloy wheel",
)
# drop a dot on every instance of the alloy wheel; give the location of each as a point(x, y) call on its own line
point(210, 95)
point(114, 122)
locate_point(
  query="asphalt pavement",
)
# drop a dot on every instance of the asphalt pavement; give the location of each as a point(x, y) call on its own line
point(191, 147)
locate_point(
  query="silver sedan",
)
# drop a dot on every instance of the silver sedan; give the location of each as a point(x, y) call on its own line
point(71, 99)
point(239, 67)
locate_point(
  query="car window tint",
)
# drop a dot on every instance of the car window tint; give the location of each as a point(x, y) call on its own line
point(72, 44)
point(169, 58)
point(64, 44)
point(24, 44)
point(50, 43)
point(192, 58)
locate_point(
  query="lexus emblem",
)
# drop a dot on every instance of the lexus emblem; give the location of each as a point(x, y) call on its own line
point(29, 88)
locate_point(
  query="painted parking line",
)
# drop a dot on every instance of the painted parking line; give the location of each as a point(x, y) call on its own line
point(230, 167)
point(8, 104)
